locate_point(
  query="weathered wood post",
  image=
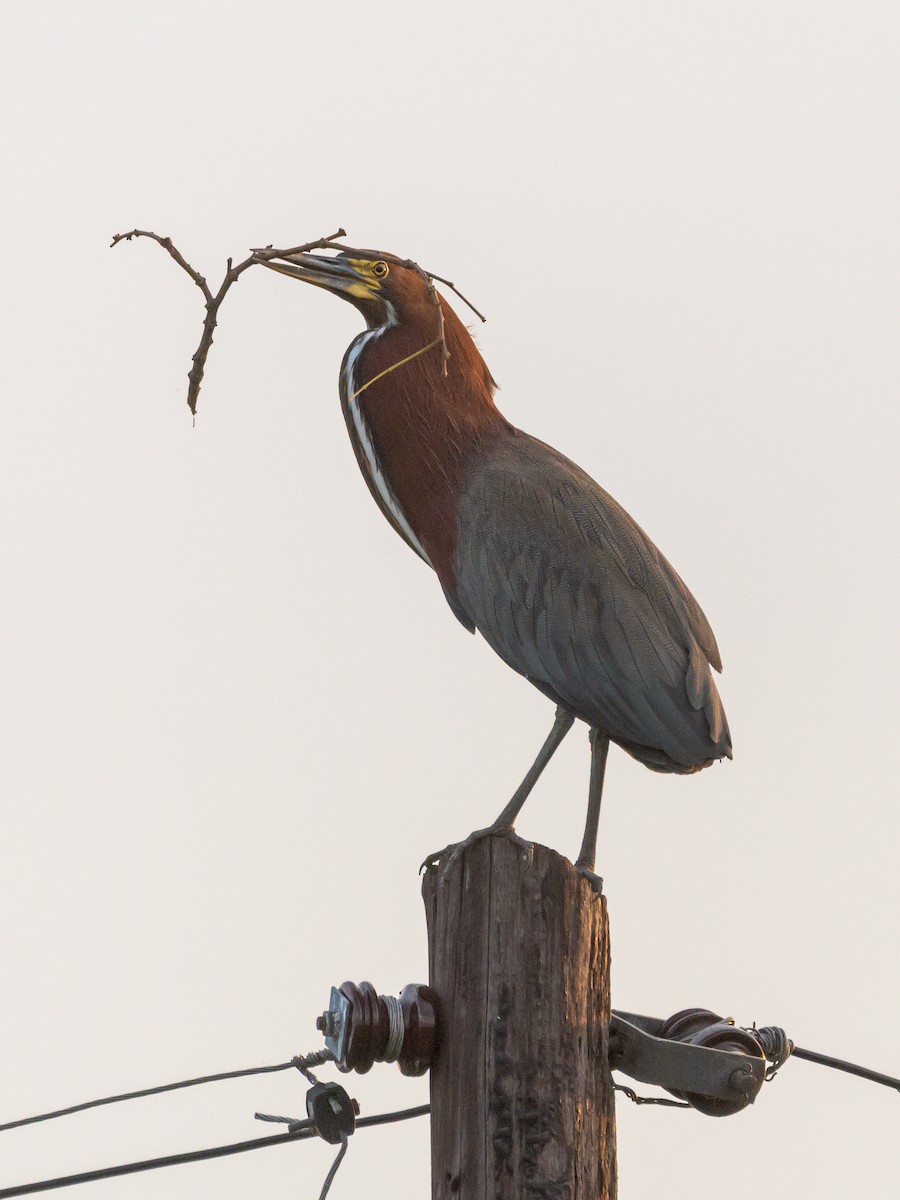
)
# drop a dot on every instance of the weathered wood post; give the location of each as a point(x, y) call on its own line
point(521, 1094)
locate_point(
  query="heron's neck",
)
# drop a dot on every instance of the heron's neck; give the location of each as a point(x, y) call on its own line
point(416, 430)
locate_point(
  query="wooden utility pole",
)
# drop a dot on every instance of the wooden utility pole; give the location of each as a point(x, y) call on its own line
point(522, 1102)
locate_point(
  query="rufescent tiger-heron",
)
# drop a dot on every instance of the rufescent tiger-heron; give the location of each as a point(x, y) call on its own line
point(530, 551)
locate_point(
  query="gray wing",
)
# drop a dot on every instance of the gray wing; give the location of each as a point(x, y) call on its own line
point(571, 593)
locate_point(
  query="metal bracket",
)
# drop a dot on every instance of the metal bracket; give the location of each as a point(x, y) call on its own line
point(335, 1024)
point(700, 1072)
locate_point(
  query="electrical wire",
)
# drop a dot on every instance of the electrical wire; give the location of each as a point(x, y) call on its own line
point(329, 1178)
point(299, 1063)
point(154, 1091)
point(300, 1132)
point(150, 1164)
point(636, 1099)
point(840, 1065)
point(389, 1118)
point(402, 1114)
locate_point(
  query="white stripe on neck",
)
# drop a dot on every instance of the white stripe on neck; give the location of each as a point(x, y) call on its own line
point(365, 439)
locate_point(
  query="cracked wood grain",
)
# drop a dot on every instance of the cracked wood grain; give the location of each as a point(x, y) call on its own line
point(522, 1098)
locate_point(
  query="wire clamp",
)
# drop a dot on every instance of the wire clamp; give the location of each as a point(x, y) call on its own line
point(331, 1111)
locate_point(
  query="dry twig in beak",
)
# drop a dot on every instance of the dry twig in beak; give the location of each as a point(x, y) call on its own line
point(213, 302)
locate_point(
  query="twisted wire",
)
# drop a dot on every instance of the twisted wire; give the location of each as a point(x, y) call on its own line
point(329, 1178)
point(776, 1046)
point(304, 1062)
point(395, 1037)
point(300, 1063)
point(636, 1099)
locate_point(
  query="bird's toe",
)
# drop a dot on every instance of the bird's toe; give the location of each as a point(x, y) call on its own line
point(448, 857)
point(596, 881)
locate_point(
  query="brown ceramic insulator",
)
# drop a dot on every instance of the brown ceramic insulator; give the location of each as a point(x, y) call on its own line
point(370, 1028)
point(681, 1026)
point(419, 1004)
point(701, 1027)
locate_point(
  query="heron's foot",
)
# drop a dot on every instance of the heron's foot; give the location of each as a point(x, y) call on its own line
point(448, 856)
point(596, 881)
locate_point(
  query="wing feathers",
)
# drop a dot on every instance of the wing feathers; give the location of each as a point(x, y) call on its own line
point(572, 594)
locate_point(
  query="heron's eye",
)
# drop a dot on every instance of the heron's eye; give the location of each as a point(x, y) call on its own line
point(380, 269)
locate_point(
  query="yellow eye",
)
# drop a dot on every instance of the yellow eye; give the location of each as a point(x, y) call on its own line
point(380, 269)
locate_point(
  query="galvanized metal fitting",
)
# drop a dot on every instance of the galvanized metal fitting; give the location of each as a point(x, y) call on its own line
point(696, 1055)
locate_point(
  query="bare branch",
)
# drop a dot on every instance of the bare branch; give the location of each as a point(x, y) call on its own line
point(166, 244)
point(464, 299)
point(445, 353)
point(214, 302)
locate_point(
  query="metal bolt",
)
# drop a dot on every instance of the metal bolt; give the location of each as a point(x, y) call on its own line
point(742, 1079)
point(326, 1024)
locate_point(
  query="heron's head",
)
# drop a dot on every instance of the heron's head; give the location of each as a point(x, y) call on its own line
point(384, 290)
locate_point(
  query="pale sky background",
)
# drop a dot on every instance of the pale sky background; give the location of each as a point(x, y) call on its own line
point(236, 710)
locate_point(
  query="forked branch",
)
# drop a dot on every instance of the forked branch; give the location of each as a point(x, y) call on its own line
point(213, 302)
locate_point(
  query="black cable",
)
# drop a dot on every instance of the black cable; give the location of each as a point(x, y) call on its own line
point(300, 1132)
point(154, 1091)
point(850, 1068)
point(402, 1114)
point(150, 1164)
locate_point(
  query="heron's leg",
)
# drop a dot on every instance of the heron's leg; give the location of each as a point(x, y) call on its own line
point(588, 853)
point(503, 826)
point(561, 727)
